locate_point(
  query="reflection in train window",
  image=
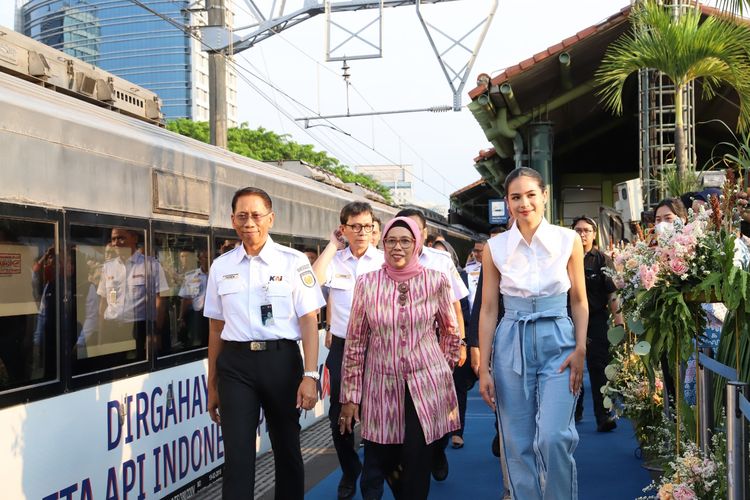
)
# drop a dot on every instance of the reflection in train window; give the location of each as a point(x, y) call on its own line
point(224, 243)
point(117, 294)
point(29, 280)
point(185, 262)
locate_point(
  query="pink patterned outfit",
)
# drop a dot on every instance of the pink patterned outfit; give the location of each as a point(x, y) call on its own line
point(390, 344)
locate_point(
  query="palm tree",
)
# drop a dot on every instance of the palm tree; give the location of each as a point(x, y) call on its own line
point(734, 6)
point(684, 49)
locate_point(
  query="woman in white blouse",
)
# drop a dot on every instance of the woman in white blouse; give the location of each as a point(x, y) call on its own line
point(531, 367)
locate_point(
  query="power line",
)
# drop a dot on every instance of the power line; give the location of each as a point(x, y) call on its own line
point(231, 62)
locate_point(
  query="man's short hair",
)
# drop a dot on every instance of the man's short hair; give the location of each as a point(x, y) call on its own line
point(480, 240)
point(430, 240)
point(353, 209)
point(311, 250)
point(377, 219)
point(413, 212)
point(497, 230)
point(252, 191)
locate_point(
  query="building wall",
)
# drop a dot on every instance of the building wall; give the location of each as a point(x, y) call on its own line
point(127, 40)
point(397, 178)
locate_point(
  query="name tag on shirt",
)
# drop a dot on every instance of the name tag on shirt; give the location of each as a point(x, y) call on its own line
point(266, 314)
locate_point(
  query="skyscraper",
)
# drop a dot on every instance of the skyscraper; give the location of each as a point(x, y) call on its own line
point(133, 43)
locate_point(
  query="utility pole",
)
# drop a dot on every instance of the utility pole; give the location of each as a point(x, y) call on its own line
point(217, 80)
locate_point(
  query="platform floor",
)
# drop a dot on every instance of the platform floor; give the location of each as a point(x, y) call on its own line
point(607, 463)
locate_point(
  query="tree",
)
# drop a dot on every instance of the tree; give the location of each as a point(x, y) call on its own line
point(266, 145)
point(734, 6)
point(684, 49)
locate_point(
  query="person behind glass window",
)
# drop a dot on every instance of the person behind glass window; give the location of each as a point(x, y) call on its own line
point(193, 295)
point(128, 279)
point(403, 393)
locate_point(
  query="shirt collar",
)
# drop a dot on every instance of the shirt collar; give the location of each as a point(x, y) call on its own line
point(266, 254)
point(369, 253)
point(544, 235)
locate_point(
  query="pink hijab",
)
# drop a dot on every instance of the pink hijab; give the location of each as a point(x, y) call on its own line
point(413, 267)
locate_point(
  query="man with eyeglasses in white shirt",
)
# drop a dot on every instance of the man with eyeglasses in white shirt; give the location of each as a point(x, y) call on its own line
point(348, 255)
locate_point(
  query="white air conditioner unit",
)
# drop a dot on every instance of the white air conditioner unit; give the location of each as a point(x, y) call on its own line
point(629, 200)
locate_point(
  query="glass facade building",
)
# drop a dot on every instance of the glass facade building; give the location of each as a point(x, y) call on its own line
point(133, 43)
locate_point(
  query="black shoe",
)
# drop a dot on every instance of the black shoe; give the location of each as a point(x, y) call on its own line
point(440, 467)
point(347, 487)
point(496, 445)
point(606, 425)
point(579, 414)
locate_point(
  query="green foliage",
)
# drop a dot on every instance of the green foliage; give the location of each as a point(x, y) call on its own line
point(266, 145)
point(684, 49)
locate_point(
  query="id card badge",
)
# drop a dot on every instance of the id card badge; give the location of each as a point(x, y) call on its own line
point(266, 314)
point(112, 297)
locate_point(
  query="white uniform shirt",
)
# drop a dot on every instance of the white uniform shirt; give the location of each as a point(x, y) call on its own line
point(536, 270)
point(194, 288)
point(442, 261)
point(239, 284)
point(341, 276)
point(125, 286)
point(472, 277)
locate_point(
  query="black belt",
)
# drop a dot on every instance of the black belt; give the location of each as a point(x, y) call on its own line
point(335, 339)
point(261, 345)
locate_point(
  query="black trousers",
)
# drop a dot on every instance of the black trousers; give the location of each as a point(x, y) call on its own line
point(464, 379)
point(597, 359)
point(249, 380)
point(414, 456)
point(344, 443)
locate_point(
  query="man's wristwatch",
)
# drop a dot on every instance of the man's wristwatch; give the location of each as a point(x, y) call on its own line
point(312, 375)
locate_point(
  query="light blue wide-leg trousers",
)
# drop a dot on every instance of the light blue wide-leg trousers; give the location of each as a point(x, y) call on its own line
point(535, 407)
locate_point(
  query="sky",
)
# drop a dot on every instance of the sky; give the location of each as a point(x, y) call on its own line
point(437, 147)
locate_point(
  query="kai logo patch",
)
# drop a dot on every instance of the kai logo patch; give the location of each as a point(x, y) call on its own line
point(308, 278)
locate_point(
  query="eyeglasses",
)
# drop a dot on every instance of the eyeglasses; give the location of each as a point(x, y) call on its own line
point(359, 227)
point(403, 242)
point(243, 217)
point(582, 230)
point(403, 290)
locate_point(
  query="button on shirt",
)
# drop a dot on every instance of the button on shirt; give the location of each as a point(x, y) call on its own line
point(125, 286)
point(239, 284)
point(442, 261)
point(341, 275)
point(539, 269)
point(194, 288)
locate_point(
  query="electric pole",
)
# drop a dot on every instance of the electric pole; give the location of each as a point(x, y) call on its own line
point(217, 79)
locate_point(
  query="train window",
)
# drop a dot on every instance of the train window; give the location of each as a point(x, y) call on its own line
point(225, 242)
point(117, 296)
point(29, 286)
point(185, 261)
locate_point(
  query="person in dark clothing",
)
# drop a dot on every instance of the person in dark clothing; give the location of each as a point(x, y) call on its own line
point(600, 291)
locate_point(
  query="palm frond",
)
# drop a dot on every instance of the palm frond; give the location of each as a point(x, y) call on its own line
point(714, 50)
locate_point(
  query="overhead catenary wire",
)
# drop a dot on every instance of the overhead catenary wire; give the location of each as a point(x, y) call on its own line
point(188, 31)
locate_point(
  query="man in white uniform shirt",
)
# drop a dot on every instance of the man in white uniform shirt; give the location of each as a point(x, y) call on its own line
point(123, 290)
point(261, 298)
point(193, 325)
point(441, 261)
point(473, 269)
point(338, 268)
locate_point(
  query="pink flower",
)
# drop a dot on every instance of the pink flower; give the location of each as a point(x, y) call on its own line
point(647, 275)
point(678, 266)
point(683, 492)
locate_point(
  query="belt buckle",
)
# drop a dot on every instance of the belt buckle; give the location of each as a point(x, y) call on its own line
point(257, 346)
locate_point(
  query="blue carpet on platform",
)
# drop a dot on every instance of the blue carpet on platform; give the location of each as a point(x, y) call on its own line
point(607, 465)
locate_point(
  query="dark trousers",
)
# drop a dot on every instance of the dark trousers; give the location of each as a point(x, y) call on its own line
point(464, 379)
point(249, 380)
point(597, 359)
point(344, 443)
point(414, 456)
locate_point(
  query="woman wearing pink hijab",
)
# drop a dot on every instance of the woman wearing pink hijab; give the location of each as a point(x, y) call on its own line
point(404, 391)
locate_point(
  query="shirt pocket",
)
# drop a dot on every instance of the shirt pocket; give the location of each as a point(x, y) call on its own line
point(280, 296)
point(230, 291)
point(342, 289)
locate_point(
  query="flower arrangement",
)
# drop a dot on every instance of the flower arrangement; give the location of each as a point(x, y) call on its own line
point(664, 276)
point(693, 475)
point(633, 392)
